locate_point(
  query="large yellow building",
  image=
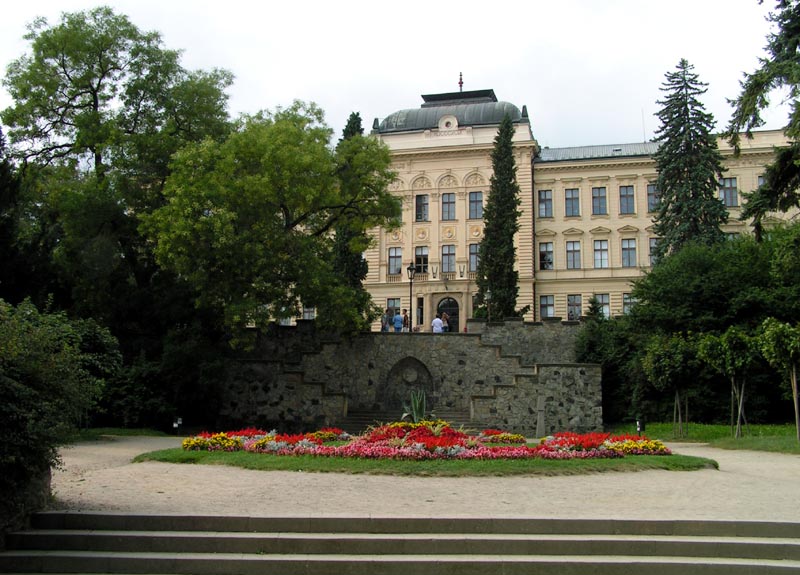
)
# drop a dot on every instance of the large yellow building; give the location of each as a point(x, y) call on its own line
point(586, 225)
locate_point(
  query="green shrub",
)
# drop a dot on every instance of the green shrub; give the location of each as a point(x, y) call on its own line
point(51, 372)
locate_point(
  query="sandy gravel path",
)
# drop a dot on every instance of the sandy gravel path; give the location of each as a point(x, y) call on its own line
point(748, 486)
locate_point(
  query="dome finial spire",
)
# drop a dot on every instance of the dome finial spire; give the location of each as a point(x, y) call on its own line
point(460, 82)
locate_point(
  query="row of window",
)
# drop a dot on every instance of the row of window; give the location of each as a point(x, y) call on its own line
point(728, 193)
point(547, 305)
point(448, 260)
point(448, 203)
point(601, 250)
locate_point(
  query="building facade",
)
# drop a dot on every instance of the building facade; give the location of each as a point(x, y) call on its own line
point(442, 155)
point(586, 224)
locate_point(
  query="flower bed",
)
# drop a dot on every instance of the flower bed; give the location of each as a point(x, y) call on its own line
point(426, 440)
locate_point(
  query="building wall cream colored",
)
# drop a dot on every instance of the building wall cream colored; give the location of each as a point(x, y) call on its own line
point(459, 161)
point(449, 161)
point(612, 173)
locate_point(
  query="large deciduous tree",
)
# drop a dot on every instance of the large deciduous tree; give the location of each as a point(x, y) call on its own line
point(249, 222)
point(780, 69)
point(99, 107)
point(689, 166)
point(497, 276)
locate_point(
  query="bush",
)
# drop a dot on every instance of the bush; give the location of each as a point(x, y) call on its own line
point(51, 372)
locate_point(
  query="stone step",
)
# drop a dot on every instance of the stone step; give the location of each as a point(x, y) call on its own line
point(400, 544)
point(65, 520)
point(88, 542)
point(472, 564)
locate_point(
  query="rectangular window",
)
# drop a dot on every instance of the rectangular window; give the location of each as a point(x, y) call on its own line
point(629, 253)
point(395, 261)
point(546, 255)
point(653, 248)
point(474, 256)
point(422, 208)
point(545, 203)
point(573, 255)
point(448, 259)
point(599, 206)
point(309, 312)
point(605, 303)
point(652, 197)
point(761, 181)
point(393, 305)
point(728, 192)
point(421, 259)
point(547, 306)
point(627, 303)
point(448, 206)
point(475, 205)
point(572, 202)
point(627, 201)
point(601, 253)
point(574, 307)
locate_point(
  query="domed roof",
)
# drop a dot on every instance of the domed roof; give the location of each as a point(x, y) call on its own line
point(476, 108)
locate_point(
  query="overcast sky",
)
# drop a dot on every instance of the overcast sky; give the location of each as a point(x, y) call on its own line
point(588, 70)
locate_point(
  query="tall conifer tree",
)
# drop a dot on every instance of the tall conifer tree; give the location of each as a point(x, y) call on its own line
point(496, 274)
point(689, 166)
point(347, 260)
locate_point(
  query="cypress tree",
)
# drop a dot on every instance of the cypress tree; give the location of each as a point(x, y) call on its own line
point(689, 166)
point(348, 262)
point(496, 273)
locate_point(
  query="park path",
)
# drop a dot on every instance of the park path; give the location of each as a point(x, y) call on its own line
point(748, 486)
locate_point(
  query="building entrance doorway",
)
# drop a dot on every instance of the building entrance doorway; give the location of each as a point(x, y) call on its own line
point(449, 306)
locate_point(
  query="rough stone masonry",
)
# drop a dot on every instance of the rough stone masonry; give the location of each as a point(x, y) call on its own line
point(512, 375)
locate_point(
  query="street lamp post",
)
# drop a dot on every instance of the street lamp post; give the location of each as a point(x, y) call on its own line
point(411, 271)
point(488, 297)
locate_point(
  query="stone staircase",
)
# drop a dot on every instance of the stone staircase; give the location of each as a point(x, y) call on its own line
point(80, 542)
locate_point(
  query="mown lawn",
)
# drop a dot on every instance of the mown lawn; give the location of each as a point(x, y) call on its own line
point(758, 437)
point(438, 468)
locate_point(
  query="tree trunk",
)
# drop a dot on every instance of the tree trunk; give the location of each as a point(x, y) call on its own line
point(677, 423)
point(740, 409)
point(733, 408)
point(794, 398)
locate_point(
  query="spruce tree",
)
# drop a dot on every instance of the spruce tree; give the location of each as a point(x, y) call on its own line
point(689, 166)
point(496, 275)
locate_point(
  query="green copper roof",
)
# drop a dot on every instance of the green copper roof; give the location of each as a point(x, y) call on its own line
point(475, 108)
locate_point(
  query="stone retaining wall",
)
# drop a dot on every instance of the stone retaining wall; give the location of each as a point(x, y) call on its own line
point(516, 376)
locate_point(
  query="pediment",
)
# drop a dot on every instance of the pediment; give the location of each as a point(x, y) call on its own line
point(628, 229)
point(572, 232)
point(599, 230)
point(545, 233)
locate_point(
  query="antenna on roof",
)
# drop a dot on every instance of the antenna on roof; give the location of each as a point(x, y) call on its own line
point(460, 82)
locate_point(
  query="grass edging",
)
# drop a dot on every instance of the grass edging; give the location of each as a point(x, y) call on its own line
point(435, 468)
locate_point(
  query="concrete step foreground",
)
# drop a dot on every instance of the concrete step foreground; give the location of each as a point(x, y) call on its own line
point(74, 542)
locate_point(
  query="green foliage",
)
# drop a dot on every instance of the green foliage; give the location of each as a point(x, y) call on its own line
point(248, 221)
point(496, 267)
point(780, 344)
point(95, 92)
point(706, 288)
point(417, 408)
point(350, 240)
point(595, 311)
point(52, 371)
point(689, 167)
point(779, 70)
point(733, 354)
